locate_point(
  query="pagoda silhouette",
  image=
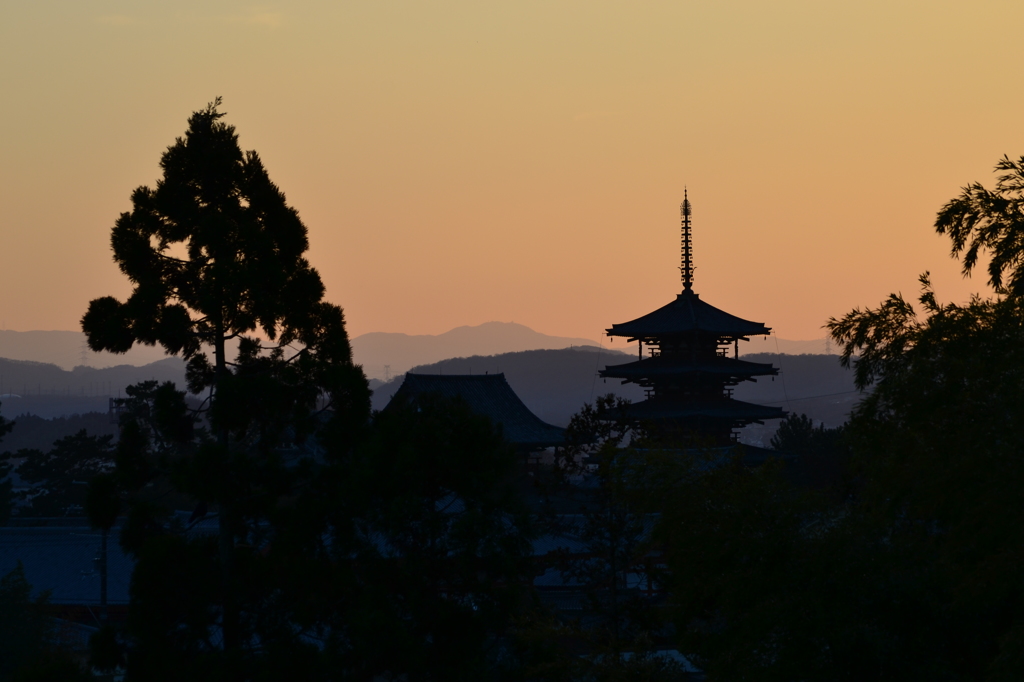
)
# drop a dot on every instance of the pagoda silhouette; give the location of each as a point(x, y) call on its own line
point(688, 375)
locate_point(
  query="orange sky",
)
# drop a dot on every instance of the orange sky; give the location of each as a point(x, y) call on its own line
point(459, 162)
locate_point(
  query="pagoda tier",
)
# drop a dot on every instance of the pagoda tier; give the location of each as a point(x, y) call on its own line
point(719, 369)
point(688, 317)
point(688, 374)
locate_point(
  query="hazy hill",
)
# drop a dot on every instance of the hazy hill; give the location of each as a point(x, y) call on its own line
point(48, 391)
point(772, 344)
point(31, 431)
point(67, 349)
point(815, 385)
point(403, 351)
point(554, 384)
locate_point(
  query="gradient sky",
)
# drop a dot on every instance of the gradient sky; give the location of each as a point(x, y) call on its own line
point(460, 162)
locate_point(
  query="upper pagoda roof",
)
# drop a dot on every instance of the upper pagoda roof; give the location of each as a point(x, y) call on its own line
point(688, 313)
point(671, 366)
point(491, 396)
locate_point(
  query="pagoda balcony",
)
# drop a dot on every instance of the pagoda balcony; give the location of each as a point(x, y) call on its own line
point(660, 369)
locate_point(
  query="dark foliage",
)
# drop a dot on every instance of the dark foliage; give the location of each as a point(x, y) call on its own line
point(6, 494)
point(60, 477)
point(440, 544)
point(607, 556)
point(939, 454)
point(912, 571)
point(24, 627)
point(982, 220)
point(819, 454)
point(215, 253)
point(28, 650)
point(798, 435)
point(37, 433)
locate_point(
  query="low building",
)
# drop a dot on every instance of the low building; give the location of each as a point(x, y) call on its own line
point(488, 395)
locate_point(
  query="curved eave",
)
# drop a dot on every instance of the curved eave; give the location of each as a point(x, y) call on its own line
point(668, 367)
point(687, 313)
point(491, 396)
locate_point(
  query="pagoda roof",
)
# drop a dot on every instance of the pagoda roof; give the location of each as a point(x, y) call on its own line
point(688, 313)
point(491, 396)
point(664, 366)
point(726, 409)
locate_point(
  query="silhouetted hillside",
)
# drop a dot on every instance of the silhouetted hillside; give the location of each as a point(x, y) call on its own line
point(31, 431)
point(554, 384)
point(67, 349)
point(49, 391)
point(402, 351)
point(815, 385)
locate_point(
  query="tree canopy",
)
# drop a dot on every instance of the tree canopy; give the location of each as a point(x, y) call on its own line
point(216, 255)
point(906, 564)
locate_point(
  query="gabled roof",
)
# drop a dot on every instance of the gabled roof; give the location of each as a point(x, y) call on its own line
point(491, 396)
point(686, 314)
point(666, 366)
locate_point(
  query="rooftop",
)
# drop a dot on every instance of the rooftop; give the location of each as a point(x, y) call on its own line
point(491, 396)
point(688, 313)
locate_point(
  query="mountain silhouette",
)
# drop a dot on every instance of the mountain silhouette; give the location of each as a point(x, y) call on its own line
point(402, 352)
point(67, 349)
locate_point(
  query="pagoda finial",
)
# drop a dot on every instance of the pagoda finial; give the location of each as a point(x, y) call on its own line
point(686, 267)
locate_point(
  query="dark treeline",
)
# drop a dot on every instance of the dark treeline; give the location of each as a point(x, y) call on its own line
point(321, 540)
point(27, 378)
point(30, 432)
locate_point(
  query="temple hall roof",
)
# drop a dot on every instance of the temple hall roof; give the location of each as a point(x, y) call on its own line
point(686, 314)
point(665, 366)
point(491, 396)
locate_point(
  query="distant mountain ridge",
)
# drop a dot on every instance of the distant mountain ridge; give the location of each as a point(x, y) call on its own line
point(67, 349)
point(375, 351)
point(555, 384)
point(401, 352)
point(46, 390)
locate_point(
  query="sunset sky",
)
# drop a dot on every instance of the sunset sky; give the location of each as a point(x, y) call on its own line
point(460, 162)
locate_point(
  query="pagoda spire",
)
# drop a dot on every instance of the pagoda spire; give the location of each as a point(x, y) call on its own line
point(686, 266)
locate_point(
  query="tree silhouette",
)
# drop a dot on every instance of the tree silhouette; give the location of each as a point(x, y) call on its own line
point(62, 472)
point(985, 220)
point(6, 491)
point(440, 552)
point(216, 254)
point(936, 447)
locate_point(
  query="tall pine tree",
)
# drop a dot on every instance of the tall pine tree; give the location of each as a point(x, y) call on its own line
point(216, 256)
